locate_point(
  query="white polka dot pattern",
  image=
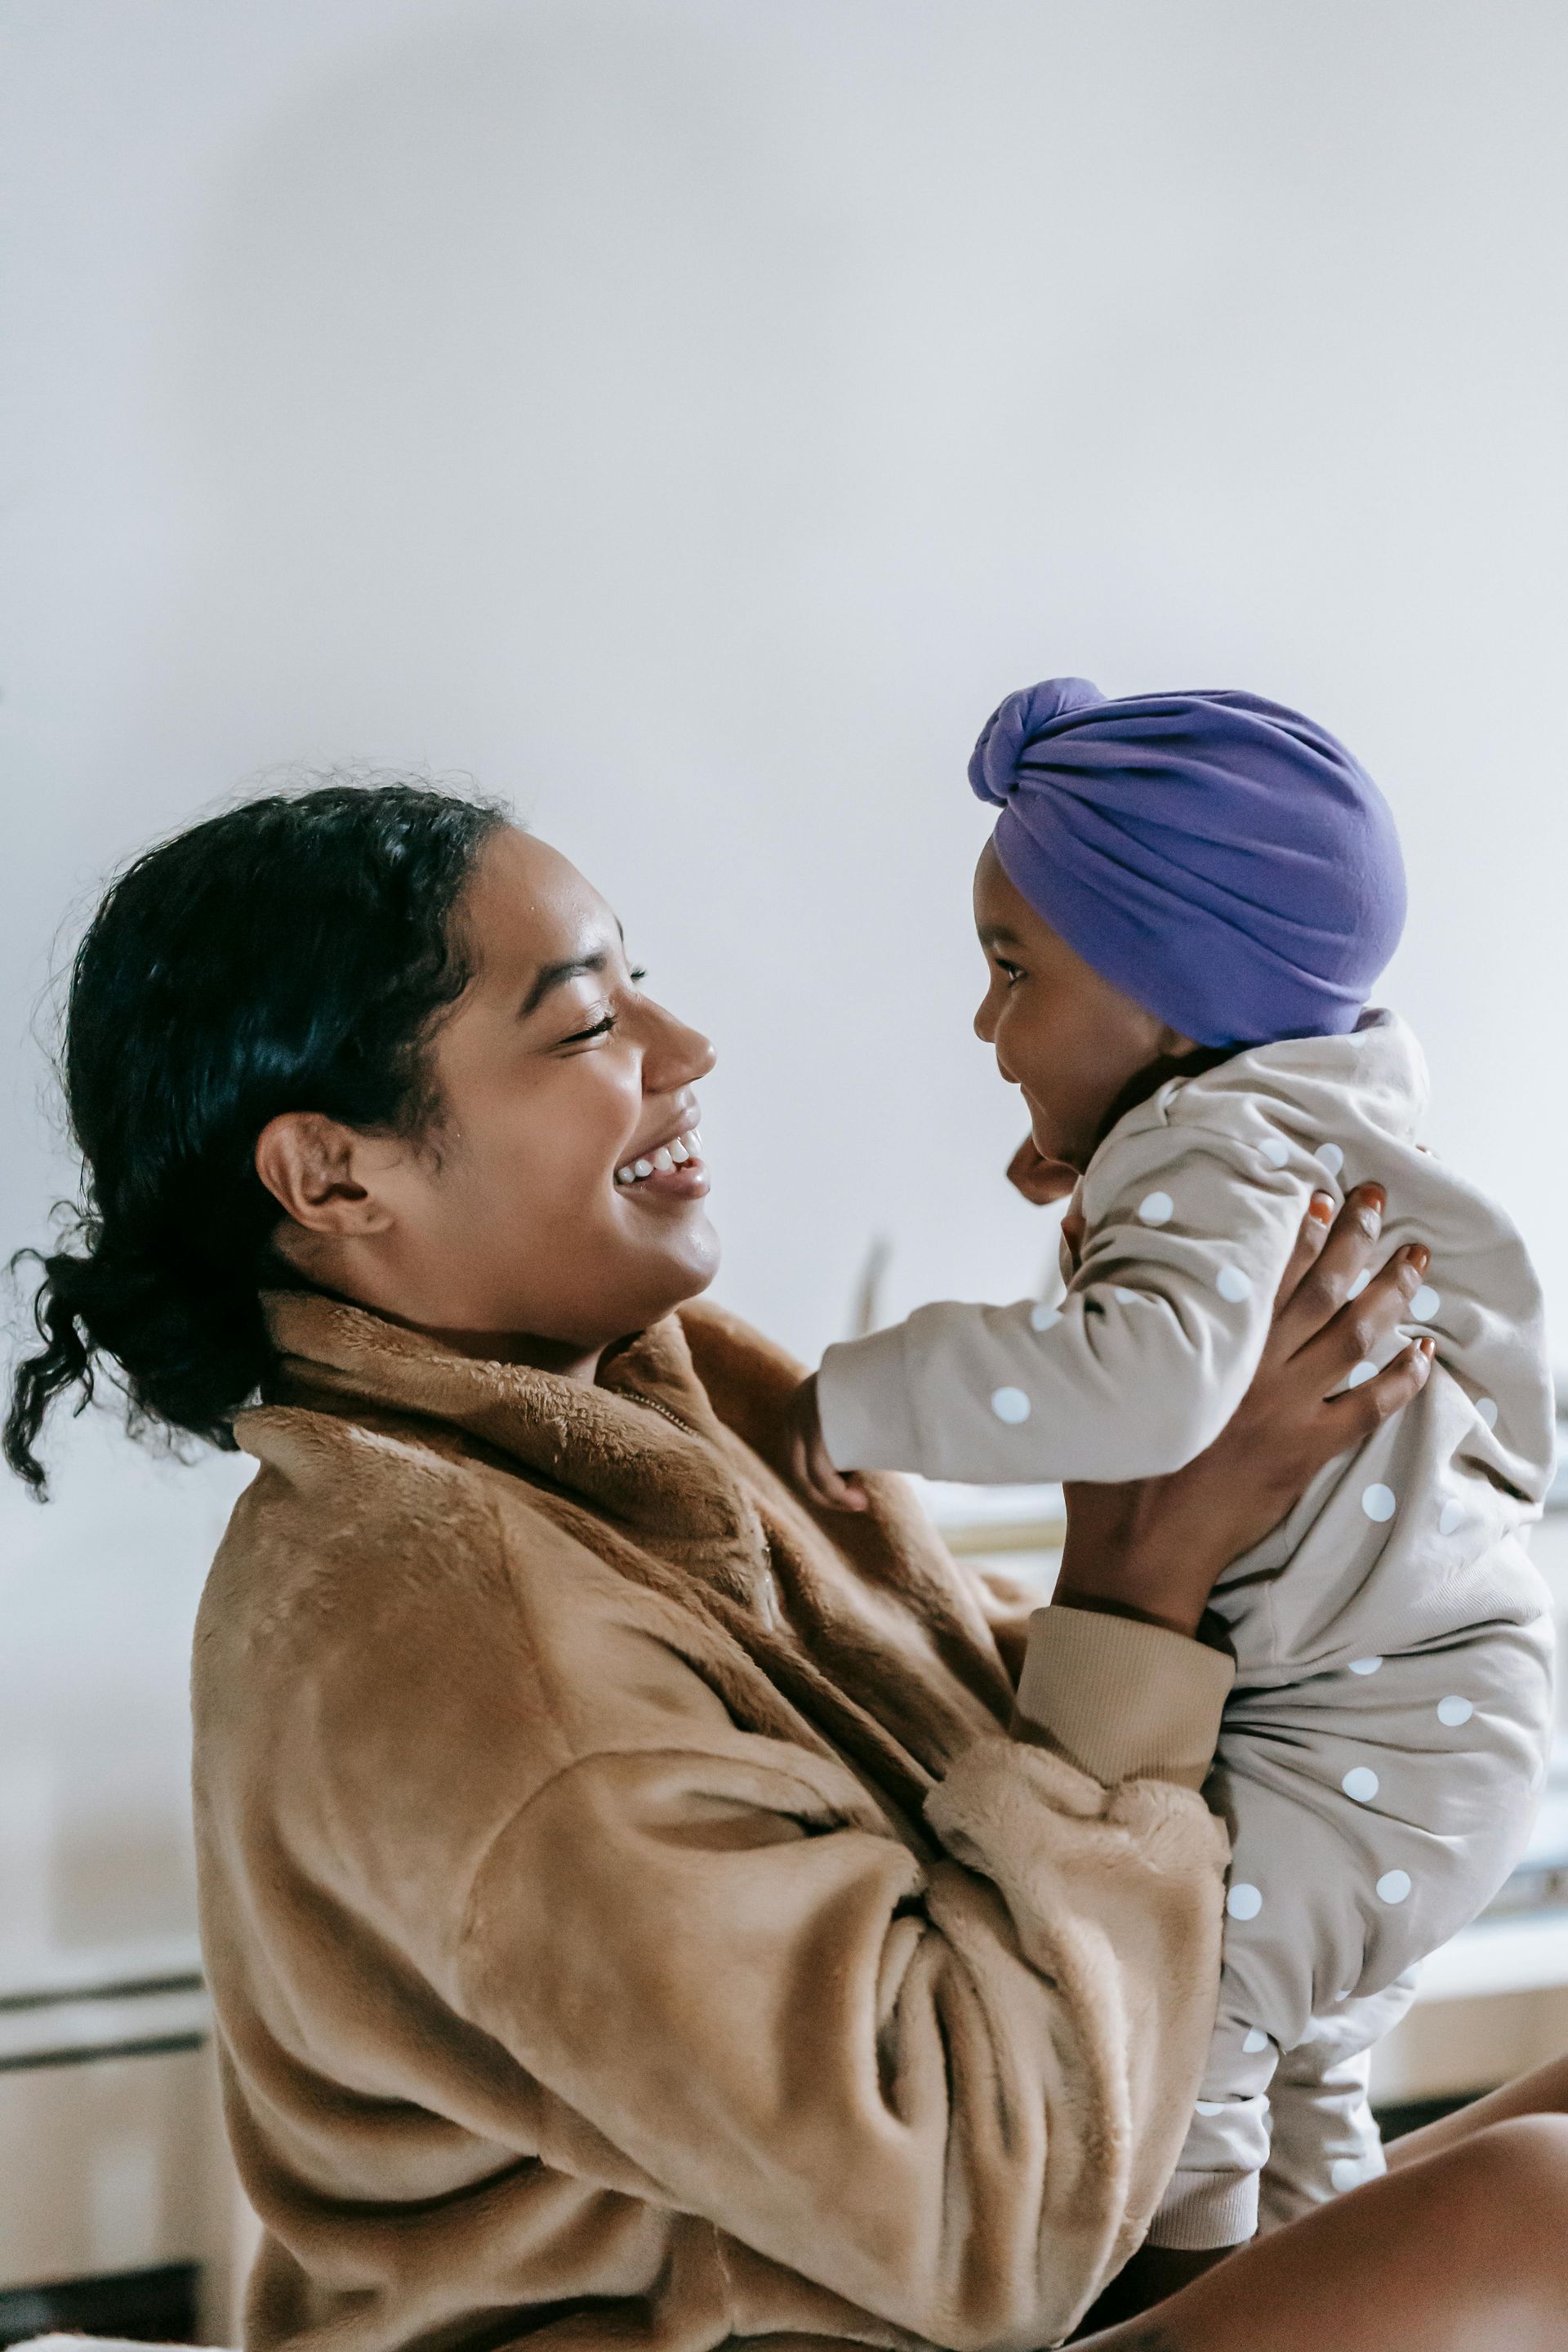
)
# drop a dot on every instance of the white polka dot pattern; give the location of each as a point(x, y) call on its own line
point(1044, 1318)
point(1211, 2106)
point(1366, 1665)
point(1255, 2043)
point(1233, 1283)
point(1394, 1886)
point(1156, 1208)
point(1450, 1516)
point(1487, 1408)
point(1346, 2172)
point(1358, 1285)
point(1378, 1501)
point(1361, 1373)
point(1426, 1305)
point(1243, 1901)
point(1124, 1297)
point(1361, 1783)
point(1331, 1158)
point(1010, 1405)
point(1276, 1151)
point(1454, 1710)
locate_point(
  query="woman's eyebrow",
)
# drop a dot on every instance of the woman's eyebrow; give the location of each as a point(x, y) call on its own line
point(553, 975)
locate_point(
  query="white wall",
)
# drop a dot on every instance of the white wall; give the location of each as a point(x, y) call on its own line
point(690, 418)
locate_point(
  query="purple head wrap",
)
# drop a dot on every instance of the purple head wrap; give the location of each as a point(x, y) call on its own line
point(1220, 859)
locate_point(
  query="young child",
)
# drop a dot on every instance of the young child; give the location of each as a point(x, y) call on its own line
point(1186, 902)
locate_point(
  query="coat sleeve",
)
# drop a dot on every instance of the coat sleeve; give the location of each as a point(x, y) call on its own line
point(944, 2078)
point(1131, 1374)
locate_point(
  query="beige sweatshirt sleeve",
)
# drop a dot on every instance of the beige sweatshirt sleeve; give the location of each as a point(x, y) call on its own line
point(1119, 1698)
point(1136, 1370)
point(949, 2081)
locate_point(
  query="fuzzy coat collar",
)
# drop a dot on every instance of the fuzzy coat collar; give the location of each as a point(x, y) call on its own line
point(638, 1446)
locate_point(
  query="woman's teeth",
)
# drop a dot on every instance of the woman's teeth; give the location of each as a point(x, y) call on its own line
point(669, 1155)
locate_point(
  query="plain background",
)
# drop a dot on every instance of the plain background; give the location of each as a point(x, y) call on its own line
point(688, 417)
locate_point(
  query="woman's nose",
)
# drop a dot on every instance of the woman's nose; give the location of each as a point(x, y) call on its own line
point(674, 1056)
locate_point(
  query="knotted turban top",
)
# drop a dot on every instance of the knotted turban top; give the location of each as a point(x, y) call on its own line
point(1220, 859)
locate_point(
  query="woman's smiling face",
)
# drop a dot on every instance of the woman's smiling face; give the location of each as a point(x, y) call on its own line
point(512, 1217)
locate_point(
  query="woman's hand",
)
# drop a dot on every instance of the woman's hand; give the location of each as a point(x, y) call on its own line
point(1154, 1547)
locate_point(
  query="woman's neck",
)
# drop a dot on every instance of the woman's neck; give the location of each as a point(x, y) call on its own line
point(564, 1358)
point(314, 1268)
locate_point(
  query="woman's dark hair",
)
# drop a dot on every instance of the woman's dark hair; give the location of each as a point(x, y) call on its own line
point(290, 954)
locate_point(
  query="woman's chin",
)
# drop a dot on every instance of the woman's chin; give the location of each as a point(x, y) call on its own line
point(680, 1259)
point(703, 1251)
point(663, 1249)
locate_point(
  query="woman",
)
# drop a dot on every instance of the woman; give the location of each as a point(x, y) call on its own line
point(628, 1917)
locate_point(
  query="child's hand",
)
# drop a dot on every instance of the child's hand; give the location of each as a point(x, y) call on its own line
point(1038, 1179)
point(809, 1465)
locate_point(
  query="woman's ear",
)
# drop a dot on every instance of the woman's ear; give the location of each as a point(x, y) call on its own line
point(315, 1169)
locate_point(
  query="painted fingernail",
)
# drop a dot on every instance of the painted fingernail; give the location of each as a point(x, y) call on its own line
point(1320, 1208)
point(1375, 1197)
point(1419, 1256)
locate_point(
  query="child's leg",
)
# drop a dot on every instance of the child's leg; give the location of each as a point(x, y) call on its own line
point(1281, 2122)
point(1323, 2139)
point(1372, 1813)
point(1466, 2251)
point(1321, 2124)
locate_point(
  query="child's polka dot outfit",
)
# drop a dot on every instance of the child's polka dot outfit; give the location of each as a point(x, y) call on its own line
point(1386, 1744)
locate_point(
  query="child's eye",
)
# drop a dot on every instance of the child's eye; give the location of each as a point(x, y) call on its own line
point(1010, 971)
point(638, 973)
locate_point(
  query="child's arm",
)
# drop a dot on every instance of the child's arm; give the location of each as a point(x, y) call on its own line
point(1187, 1233)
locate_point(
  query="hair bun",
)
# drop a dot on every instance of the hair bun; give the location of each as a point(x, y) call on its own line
point(1017, 722)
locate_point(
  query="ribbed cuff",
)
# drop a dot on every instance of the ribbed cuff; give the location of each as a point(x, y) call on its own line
point(1122, 1699)
point(1201, 2210)
point(863, 1400)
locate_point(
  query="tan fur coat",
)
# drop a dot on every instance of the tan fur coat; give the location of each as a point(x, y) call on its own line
point(630, 1920)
